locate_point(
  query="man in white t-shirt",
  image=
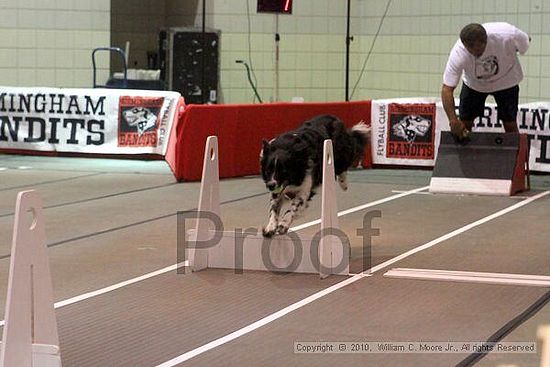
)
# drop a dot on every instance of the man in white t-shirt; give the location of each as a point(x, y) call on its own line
point(485, 57)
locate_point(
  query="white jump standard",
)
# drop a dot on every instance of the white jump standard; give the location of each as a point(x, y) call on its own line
point(30, 336)
point(325, 253)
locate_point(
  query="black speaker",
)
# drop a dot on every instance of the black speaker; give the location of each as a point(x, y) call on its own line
point(189, 61)
point(485, 163)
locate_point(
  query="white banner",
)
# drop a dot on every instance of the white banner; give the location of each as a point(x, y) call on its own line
point(103, 121)
point(406, 131)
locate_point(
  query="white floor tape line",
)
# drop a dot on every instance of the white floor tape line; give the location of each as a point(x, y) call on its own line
point(266, 320)
point(470, 277)
point(114, 287)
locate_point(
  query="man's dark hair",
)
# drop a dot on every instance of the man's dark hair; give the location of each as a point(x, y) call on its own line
point(472, 34)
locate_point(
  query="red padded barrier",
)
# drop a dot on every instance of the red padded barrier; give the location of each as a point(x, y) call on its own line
point(518, 180)
point(240, 130)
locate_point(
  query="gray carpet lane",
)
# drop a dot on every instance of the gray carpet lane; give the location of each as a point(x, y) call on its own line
point(415, 220)
point(391, 177)
point(377, 309)
point(255, 213)
point(100, 261)
point(144, 323)
point(86, 164)
point(66, 223)
point(78, 189)
point(516, 243)
point(22, 179)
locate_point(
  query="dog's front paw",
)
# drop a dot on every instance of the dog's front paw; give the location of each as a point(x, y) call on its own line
point(343, 181)
point(268, 232)
point(343, 185)
point(282, 229)
point(270, 229)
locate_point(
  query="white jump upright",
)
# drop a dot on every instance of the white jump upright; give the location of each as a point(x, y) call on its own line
point(251, 251)
point(209, 201)
point(30, 336)
point(543, 334)
point(331, 250)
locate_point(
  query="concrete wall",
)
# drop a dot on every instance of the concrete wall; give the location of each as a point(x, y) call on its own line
point(407, 58)
point(49, 43)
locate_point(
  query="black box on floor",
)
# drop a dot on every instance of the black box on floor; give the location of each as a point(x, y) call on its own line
point(189, 63)
point(485, 163)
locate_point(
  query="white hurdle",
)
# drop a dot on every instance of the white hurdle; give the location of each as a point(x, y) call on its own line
point(30, 336)
point(543, 334)
point(251, 251)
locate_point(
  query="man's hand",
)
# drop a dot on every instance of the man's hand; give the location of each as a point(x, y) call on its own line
point(459, 129)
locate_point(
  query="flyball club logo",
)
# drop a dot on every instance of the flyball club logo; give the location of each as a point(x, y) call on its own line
point(411, 131)
point(138, 121)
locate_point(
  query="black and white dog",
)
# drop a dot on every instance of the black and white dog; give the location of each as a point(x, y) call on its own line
point(292, 164)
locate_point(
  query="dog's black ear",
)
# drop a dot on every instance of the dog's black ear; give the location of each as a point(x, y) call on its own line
point(265, 145)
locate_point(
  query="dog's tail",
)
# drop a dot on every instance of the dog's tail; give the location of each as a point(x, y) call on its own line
point(360, 133)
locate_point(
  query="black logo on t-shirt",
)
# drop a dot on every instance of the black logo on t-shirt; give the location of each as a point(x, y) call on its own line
point(486, 67)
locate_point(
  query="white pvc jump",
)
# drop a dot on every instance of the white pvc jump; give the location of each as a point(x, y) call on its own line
point(470, 277)
point(280, 252)
point(543, 334)
point(30, 336)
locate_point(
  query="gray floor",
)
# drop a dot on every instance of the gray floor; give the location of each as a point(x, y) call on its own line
point(109, 221)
